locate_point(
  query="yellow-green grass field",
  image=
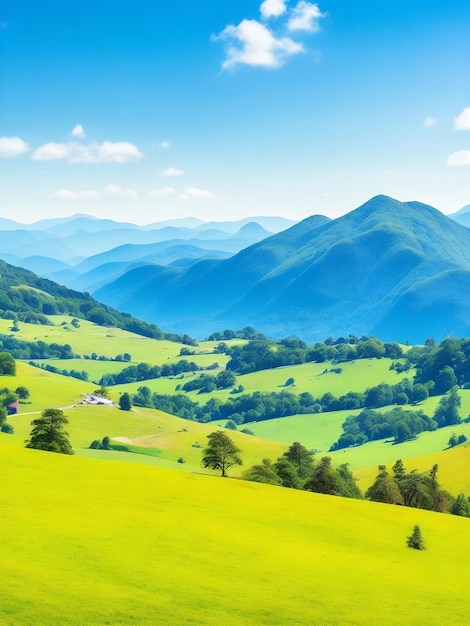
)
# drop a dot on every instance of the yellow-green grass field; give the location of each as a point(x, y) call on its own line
point(454, 468)
point(109, 342)
point(86, 542)
point(147, 432)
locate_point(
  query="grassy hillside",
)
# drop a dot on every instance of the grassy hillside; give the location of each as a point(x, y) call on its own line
point(106, 543)
point(454, 467)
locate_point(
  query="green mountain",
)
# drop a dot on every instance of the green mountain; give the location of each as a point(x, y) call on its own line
point(377, 270)
point(25, 296)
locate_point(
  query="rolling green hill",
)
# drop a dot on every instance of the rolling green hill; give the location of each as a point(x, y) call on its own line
point(122, 544)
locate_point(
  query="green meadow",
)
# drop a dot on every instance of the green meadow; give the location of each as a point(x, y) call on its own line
point(87, 542)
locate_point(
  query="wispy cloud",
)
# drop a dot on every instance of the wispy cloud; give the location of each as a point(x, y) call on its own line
point(117, 190)
point(258, 45)
point(165, 144)
point(462, 121)
point(171, 172)
point(195, 193)
point(430, 122)
point(462, 157)
point(106, 152)
point(12, 147)
point(160, 193)
point(67, 194)
point(78, 131)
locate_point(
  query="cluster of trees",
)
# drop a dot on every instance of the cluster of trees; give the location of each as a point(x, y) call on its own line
point(248, 333)
point(242, 408)
point(398, 423)
point(63, 372)
point(104, 444)
point(420, 490)
point(442, 366)
point(262, 354)
point(144, 371)
point(297, 469)
point(20, 349)
point(7, 364)
point(206, 383)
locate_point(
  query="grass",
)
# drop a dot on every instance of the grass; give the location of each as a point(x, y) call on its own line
point(86, 542)
point(109, 342)
point(454, 468)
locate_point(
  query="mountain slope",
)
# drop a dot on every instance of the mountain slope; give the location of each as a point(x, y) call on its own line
point(355, 274)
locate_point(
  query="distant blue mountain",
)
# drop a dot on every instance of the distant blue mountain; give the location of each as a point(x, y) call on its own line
point(379, 269)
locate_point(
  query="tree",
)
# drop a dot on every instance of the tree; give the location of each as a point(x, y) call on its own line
point(263, 473)
point(300, 458)
point(385, 488)
point(102, 391)
point(415, 540)
point(461, 506)
point(221, 453)
point(447, 411)
point(125, 402)
point(324, 478)
point(7, 364)
point(22, 393)
point(48, 432)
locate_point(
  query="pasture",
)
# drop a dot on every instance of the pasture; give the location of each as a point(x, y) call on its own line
point(86, 542)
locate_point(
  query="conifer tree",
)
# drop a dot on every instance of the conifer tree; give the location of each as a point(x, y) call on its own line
point(415, 540)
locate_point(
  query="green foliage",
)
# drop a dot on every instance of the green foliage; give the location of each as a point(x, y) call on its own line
point(7, 428)
point(221, 453)
point(447, 411)
point(300, 458)
point(370, 425)
point(385, 488)
point(48, 432)
point(125, 402)
point(22, 392)
point(415, 540)
point(455, 440)
point(263, 473)
point(7, 364)
point(461, 506)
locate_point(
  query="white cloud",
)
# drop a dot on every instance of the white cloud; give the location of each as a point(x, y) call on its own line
point(12, 146)
point(429, 122)
point(78, 131)
point(171, 172)
point(462, 121)
point(305, 16)
point(164, 191)
point(462, 157)
point(66, 194)
point(254, 44)
point(117, 190)
point(194, 193)
point(165, 144)
point(106, 152)
point(273, 8)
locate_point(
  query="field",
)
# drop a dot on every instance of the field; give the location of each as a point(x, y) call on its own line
point(115, 543)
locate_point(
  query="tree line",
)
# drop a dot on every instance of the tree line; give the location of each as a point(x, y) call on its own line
point(398, 423)
point(260, 354)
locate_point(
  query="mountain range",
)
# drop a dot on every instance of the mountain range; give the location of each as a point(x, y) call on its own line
point(399, 270)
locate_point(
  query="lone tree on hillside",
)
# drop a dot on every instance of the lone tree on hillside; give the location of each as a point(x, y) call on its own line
point(125, 402)
point(415, 540)
point(49, 434)
point(221, 453)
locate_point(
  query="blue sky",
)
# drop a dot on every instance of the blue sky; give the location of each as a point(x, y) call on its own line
point(143, 110)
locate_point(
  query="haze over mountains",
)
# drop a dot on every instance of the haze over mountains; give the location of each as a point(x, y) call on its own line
point(398, 270)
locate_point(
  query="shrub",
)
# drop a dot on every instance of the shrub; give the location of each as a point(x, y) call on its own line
point(415, 540)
